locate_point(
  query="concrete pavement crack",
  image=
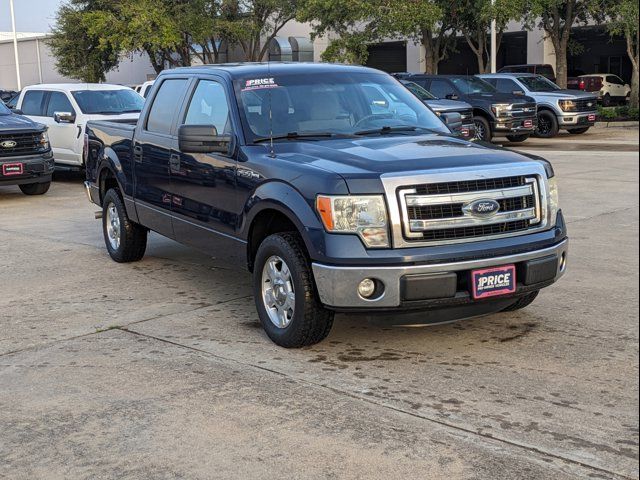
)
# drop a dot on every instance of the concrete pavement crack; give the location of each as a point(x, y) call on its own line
point(468, 431)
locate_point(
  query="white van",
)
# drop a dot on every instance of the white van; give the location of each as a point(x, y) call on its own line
point(66, 109)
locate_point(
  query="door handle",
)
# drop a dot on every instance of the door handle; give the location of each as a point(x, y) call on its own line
point(137, 154)
point(174, 163)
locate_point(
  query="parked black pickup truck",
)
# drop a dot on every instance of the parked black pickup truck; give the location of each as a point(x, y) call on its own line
point(25, 154)
point(287, 169)
point(494, 113)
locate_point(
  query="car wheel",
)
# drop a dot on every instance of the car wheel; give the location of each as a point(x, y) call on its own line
point(126, 241)
point(578, 131)
point(547, 125)
point(522, 302)
point(35, 188)
point(288, 306)
point(606, 100)
point(517, 138)
point(483, 129)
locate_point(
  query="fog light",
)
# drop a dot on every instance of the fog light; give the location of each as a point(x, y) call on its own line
point(563, 262)
point(367, 287)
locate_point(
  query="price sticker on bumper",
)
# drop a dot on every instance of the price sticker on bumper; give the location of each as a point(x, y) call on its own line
point(492, 282)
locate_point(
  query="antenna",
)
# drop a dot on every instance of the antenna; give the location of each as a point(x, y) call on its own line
point(272, 152)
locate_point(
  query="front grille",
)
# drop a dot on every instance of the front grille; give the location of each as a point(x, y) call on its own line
point(26, 143)
point(469, 186)
point(583, 105)
point(451, 210)
point(466, 115)
point(524, 110)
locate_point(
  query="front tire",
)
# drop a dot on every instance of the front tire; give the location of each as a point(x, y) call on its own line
point(578, 131)
point(606, 100)
point(547, 125)
point(126, 241)
point(483, 129)
point(517, 138)
point(35, 188)
point(522, 302)
point(289, 309)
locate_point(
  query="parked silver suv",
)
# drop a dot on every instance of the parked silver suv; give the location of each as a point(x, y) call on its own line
point(570, 110)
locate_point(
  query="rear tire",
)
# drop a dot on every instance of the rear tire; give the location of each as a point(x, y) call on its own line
point(578, 131)
point(522, 302)
point(547, 125)
point(483, 129)
point(606, 100)
point(126, 241)
point(35, 188)
point(517, 138)
point(289, 309)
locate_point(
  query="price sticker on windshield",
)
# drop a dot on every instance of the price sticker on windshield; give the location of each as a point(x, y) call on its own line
point(259, 84)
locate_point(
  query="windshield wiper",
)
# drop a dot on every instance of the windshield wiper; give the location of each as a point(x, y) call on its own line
point(399, 129)
point(297, 136)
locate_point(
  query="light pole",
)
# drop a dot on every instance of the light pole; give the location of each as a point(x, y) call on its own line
point(15, 44)
point(494, 54)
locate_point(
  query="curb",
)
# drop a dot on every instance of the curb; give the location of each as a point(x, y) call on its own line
point(617, 124)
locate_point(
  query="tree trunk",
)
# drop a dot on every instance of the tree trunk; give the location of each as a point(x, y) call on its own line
point(633, 48)
point(431, 53)
point(560, 47)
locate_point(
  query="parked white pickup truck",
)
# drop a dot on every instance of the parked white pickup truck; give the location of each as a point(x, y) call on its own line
point(66, 109)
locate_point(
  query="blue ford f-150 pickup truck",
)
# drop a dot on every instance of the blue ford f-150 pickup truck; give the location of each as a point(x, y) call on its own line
point(333, 206)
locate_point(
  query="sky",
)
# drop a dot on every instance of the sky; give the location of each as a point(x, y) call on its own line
point(31, 15)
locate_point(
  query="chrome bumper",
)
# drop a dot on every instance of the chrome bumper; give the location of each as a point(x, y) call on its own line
point(338, 286)
point(576, 119)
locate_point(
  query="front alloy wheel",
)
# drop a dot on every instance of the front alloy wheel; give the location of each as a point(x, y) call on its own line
point(278, 292)
point(112, 223)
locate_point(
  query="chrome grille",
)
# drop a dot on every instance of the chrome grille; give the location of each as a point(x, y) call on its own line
point(467, 116)
point(25, 143)
point(442, 211)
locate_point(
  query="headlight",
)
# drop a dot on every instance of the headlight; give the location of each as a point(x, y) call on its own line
point(502, 109)
point(365, 216)
point(43, 141)
point(567, 105)
point(554, 199)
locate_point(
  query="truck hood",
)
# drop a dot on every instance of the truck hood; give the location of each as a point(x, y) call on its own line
point(369, 158)
point(12, 123)
point(565, 94)
point(443, 105)
point(122, 116)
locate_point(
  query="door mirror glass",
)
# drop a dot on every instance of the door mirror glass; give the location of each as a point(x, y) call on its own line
point(64, 117)
point(202, 139)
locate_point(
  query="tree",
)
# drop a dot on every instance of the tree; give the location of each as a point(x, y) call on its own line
point(473, 19)
point(79, 53)
point(557, 18)
point(623, 16)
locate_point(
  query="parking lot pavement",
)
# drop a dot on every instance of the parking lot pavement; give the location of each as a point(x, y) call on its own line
point(160, 369)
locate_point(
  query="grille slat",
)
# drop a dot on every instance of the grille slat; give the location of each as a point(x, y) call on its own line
point(474, 232)
point(26, 143)
point(469, 186)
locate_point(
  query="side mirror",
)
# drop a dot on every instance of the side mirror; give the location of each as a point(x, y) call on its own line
point(64, 117)
point(202, 139)
point(518, 92)
point(453, 120)
point(451, 96)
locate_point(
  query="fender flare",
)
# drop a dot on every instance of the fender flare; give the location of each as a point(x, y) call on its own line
point(110, 162)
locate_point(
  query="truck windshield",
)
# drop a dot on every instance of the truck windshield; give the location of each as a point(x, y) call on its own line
point(3, 109)
point(470, 85)
point(296, 106)
point(108, 102)
point(418, 91)
point(539, 84)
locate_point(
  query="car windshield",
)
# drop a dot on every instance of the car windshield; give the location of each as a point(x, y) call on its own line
point(3, 109)
point(330, 105)
point(469, 85)
point(108, 102)
point(539, 84)
point(418, 91)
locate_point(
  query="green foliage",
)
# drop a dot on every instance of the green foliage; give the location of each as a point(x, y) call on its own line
point(624, 18)
point(623, 113)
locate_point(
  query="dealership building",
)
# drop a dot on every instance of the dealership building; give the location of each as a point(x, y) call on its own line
point(598, 52)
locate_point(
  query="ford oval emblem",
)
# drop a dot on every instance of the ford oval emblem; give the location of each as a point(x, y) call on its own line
point(8, 144)
point(482, 208)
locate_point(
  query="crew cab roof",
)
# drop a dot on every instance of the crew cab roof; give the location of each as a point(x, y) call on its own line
point(72, 87)
point(260, 69)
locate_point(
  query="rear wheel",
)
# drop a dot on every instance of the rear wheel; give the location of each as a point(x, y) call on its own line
point(606, 100)
point(483, 129)
point(287, 304)
point(522, 302)
point(35, 188)
point(578, 131)
point(126, 241)
point(547, 125)
point(517, 138)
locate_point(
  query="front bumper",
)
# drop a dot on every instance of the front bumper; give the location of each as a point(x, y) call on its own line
point(433, 286)
point(582, 119)
point(467, 131)
point(36, 169)
point(517, 125)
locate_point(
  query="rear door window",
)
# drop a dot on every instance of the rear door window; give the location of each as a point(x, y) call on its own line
point(166, 103)
point(615, 80)
point(33, 103)
point(506, 85)
point(58, 103)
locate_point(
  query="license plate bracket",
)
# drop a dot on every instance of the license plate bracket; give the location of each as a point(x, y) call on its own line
point(10, 169)
point(493, 282)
